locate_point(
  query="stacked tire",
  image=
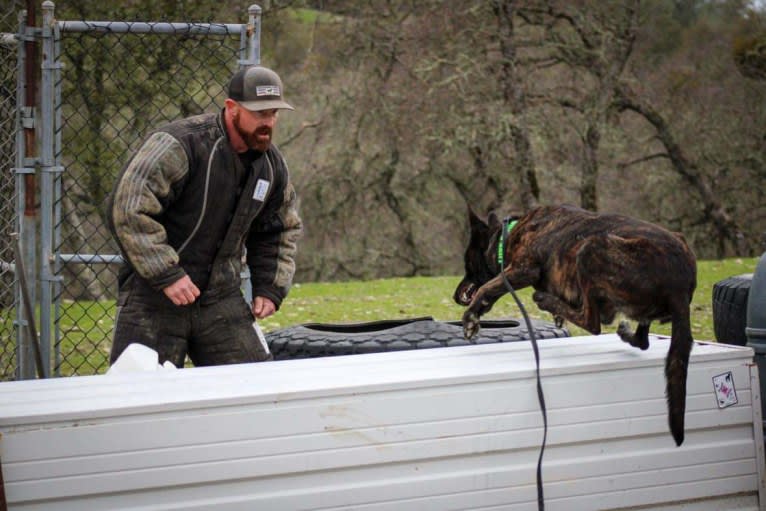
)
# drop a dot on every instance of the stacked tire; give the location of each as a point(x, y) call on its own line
point(320, 340)
point(730, 297)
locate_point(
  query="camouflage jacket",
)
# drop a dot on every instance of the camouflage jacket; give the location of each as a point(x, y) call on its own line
point(186, 205)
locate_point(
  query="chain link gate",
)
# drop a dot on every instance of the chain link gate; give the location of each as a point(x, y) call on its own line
point(104, 86)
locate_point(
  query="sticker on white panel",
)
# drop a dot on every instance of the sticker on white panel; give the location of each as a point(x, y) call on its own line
point(725, 392)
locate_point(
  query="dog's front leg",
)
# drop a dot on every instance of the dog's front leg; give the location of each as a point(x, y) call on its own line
point(482, 302)
point(489, 293)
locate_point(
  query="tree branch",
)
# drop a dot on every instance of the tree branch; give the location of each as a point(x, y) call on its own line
point(297, 134)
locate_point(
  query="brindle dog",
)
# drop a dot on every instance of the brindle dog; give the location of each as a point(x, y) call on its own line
point(585, 268)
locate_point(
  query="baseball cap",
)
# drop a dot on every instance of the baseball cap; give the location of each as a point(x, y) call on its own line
point(257, 88)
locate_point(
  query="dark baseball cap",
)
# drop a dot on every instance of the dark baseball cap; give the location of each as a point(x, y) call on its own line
point(257, 88)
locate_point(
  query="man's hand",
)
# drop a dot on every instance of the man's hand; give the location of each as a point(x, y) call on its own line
point(182, 291)
point(263, 307)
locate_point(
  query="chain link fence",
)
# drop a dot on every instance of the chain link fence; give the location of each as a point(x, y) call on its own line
point(116, 86)
point(112, 84)
point(9, 25)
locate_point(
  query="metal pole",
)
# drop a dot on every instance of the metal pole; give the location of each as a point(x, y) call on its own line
point(137, 27)
point(47, 170)
point(25, 188)
point(30, 100)
point(19, 186)
point(254, 34)
point(57, 193)
point(250, 55)
point(28, 307)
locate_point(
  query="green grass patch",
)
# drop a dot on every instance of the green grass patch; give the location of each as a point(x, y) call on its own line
point(85, 336)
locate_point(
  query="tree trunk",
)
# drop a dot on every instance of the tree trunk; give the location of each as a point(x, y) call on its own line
point(589, 176)
point(514, 97)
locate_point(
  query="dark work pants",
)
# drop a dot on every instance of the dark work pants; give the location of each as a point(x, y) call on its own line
point(215, 333)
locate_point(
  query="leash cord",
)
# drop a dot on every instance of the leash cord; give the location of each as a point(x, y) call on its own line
point(540, 395)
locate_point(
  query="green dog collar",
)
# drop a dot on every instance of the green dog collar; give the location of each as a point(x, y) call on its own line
point(508, 226)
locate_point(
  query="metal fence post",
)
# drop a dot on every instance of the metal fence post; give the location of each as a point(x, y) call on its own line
point(19, 333)
point(254, 35)
point(48, 169)
point(57, 196)
point(250, 55)
point(25, 221)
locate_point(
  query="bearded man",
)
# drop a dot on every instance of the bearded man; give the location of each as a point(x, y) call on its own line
point(202, 195)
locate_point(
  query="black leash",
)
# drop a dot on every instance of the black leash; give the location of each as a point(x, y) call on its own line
point(507, 226)
point(3, 501)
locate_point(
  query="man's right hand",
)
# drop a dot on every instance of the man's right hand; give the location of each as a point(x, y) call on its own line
point(182, 291)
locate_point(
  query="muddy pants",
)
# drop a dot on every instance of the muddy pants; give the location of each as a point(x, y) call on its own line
point(215, 333)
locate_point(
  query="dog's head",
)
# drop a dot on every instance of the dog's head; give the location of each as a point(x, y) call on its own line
point(479, 256)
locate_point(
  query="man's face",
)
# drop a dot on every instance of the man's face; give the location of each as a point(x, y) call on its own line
point(255, 128)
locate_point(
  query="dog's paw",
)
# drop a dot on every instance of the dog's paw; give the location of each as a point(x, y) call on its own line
point(629, 336)
point(559, 321)
point(471, 324)
point(624, 329)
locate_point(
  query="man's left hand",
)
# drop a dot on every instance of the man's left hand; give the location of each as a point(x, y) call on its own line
point(263, 307)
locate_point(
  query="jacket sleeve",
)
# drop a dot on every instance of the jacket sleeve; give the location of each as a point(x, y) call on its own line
point(138, 198)
point(272, 244)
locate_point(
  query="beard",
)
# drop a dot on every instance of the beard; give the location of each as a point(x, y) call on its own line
point(258, 139)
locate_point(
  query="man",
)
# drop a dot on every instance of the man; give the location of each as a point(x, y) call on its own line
point(197, 192)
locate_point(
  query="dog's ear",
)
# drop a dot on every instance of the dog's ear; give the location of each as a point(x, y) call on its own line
point(493, 222)
point(475, 221)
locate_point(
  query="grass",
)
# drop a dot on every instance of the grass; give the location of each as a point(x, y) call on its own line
point(86, 326)
point(86, 332)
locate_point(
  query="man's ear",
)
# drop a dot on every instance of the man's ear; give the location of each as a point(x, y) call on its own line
point(231, 105)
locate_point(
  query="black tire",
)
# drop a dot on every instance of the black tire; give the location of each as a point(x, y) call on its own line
point(319, 340)
point(730, 309)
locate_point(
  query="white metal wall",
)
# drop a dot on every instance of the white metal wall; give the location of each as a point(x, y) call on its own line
point(439, 429)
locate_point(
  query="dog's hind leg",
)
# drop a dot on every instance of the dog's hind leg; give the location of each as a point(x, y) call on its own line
point(587, 316)
point(639, 339)
point(575, 279)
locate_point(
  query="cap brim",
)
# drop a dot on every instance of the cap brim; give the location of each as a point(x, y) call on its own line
point(266, 104)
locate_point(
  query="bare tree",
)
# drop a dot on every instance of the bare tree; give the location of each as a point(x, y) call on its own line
point(713, 210)
point(595, 40)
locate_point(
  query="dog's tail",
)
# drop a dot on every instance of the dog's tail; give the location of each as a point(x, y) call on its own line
point(676, 366)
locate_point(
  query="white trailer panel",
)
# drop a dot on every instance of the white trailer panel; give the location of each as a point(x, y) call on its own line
point(439, 429)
